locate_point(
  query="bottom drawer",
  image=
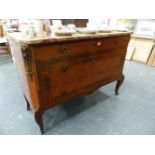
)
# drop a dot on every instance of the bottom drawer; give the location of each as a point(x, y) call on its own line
point(99, 80)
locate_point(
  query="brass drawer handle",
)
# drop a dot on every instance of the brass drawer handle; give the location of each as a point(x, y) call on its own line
point(93, 62)
point(63, 50)
point(64, 69)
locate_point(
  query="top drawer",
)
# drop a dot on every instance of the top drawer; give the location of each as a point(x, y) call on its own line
point(75, 49)
point(46, 52)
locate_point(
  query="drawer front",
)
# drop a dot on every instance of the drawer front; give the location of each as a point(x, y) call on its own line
point(71, 50)
point(75, 49)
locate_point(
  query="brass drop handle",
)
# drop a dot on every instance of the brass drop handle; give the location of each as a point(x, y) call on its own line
point(27, 58)
point(64, 69)
point(63, 50)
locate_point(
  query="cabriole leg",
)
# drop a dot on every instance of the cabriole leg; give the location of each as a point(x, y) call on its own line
point(39, 120)
point(27, 104)
point(118, 84)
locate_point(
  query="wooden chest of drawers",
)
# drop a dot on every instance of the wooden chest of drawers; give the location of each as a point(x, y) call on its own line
point(53, 72)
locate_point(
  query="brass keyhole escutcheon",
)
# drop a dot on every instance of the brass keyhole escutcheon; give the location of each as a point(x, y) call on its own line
point(99, 43)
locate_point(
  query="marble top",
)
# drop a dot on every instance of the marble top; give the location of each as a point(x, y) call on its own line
point(18, 37)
